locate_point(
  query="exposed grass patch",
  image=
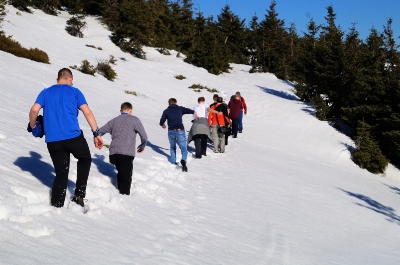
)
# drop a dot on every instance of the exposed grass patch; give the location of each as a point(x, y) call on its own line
point(11, 46)
point(198, 88)
point(122, 58)
point(85, 68)
point(180, 77)
point(104, 68)
point(131, 92)
point(92, 46)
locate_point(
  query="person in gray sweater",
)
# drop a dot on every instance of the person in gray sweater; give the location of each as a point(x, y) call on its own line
point(123, 130)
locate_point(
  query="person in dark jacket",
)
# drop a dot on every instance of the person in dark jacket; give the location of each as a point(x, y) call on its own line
point(123, 130)
point(235, 107)
point(216, 121)
point(176, 132)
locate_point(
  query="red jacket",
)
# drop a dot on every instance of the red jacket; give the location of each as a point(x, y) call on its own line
point(244, 104)
point(235, 107)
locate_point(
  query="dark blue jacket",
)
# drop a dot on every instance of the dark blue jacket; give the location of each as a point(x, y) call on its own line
point(174, 115)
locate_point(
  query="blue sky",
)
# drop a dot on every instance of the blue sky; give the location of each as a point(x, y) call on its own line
point(366, 13)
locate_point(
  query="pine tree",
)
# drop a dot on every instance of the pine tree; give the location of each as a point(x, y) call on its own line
point(306, 63)
point(274, 43)
point(367, 153)
point(208, 50)
point(3, 13)
point(47, 6)
point(389, 123)
point(76, 24)
point(22, 5)
point(253, 38)
point(330, 65)
point(233, 29)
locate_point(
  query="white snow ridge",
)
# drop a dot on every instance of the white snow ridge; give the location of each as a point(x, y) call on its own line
point(285, 191)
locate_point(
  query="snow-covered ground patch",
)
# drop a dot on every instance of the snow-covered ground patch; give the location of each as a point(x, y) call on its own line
point(285, 191)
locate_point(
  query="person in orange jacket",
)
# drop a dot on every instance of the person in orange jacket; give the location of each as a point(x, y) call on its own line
point(216, 122)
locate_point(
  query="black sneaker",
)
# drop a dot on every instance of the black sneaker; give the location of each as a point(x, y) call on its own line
point(184, 167)
point(78, 200)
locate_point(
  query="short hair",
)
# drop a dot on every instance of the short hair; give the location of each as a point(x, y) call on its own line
point(172, 101)
point(238, 94)
point(201, 99)
point(64, 73)
point(126, 106)
point(215, 96)
point(219, 100)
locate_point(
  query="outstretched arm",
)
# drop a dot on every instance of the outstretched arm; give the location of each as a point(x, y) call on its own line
point(98, 141)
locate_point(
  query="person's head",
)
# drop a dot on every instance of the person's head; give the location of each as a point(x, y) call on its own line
point(219, 100)
point(215, 97)
point(65, 77)
point(126, 107)
point(237, 95)
point(201, 100)
point(172, 101)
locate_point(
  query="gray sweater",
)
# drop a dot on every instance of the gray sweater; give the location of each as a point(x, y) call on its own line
point(123, 131)
point(199, 127)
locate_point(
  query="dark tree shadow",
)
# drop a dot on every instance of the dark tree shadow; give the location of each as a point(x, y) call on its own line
point(157, 149)
point(375, 206)
point(43, 171)
point(395, 189)
point(106, 168)
point(280, 94)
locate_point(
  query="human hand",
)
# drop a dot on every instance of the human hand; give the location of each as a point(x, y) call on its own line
point(245, 112)
point(163, 126)
point(98, 142)
point(139, 150)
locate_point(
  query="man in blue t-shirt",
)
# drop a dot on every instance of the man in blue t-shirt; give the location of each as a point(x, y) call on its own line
point(176, 132)
point(61, 104)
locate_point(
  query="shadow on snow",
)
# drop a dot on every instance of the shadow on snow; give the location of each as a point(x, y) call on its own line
point(280, 94)
point(375, 206)
point(43, 171)
point(105, 168)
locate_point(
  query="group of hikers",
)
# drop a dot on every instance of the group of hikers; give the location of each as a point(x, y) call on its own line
point(61, 104)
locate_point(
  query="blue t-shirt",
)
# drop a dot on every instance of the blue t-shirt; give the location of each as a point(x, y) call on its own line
point(60, 105)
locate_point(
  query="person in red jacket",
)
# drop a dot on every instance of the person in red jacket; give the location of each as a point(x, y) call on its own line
point(235, 107)
point(240, 121)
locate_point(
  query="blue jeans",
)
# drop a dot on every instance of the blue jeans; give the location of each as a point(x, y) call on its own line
point(240, 121)
point(177, 137)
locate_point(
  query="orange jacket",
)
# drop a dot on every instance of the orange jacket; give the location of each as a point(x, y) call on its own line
point(217, 119)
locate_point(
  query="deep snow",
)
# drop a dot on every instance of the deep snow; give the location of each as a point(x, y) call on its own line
point(285, 191)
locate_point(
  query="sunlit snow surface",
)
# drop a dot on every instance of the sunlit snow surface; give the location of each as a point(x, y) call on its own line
point(285, 191)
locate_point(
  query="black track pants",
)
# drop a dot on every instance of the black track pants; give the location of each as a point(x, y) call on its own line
point(60, 155)
point(124, 165)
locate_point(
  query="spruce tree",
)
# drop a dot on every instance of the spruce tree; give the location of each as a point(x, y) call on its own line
point(3, 13)
point(233, 30)
point(47, 6)
point(76, 24)
point(389, 123)
point(208, 50)
point(367, 153)
point(253, 38)
point(330, 67)
point(306, 63)
point(274, 43)
point(22, 5)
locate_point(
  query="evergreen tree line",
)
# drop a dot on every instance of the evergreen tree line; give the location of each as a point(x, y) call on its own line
point(346, 78)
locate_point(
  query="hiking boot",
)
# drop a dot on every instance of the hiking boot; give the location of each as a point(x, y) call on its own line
point(78, 200)
point(184, 167)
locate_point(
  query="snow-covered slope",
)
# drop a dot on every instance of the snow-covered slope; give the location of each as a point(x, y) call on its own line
point(285, 191)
